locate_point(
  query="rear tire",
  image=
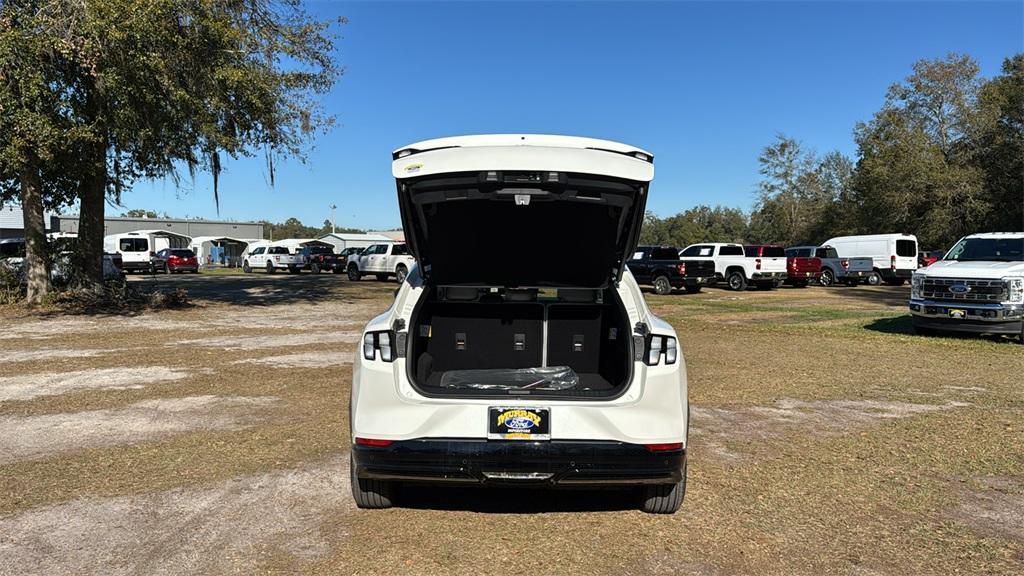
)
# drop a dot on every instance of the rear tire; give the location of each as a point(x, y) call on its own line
point(874, 279)
point(828, 277)
point(692, 289)
point(663, 498)
point(167, 269)
point(662, 285)
point(314, 268)
point(736, 281)
point(353, 273)
point(270, 268)
point(370, 494)
point(246, 268)
point(400, 273)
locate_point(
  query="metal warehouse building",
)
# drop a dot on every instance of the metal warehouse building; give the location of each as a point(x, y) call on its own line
point(192, 228)
point(12, 222)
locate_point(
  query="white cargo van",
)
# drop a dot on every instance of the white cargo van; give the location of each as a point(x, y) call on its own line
point(894, 255)
point(138, 248)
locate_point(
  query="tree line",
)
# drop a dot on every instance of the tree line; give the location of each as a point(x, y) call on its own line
point(944, 157)
point(97, 95)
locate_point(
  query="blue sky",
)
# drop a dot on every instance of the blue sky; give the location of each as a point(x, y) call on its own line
point(702, 85)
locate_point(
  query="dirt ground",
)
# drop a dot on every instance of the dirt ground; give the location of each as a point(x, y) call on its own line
point(826, 439)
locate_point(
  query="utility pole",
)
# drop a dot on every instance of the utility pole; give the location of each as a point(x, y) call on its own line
point(333, 208)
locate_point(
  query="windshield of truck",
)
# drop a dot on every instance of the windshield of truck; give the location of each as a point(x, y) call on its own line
point(988, 250)
point(12, 250)
point(664, 254)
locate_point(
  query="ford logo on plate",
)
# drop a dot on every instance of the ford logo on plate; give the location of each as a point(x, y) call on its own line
point(959, 288)
point(519, 423)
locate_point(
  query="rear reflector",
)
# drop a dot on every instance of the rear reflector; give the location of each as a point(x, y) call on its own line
point(664, 447)
point(373, 442)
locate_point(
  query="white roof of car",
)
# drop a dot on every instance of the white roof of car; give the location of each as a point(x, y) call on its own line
point(525, 152)
point(997, 235)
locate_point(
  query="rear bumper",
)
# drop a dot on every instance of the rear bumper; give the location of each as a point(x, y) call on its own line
point(136, 266)
point(768, 276)
point(804, 275)
point(889, 273)
point(554, 463)
point(850, 274)
point(692, 281)
point(978, 318)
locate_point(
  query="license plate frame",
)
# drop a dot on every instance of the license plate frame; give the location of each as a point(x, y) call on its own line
point(957, 313)
point(523, 423)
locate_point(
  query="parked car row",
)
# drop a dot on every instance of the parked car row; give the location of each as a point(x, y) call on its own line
point(849, 260)
point(381, 260)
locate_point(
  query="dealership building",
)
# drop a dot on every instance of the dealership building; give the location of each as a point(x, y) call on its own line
point(190, 228)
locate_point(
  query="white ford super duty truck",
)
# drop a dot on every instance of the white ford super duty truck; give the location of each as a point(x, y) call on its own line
point(977, 287)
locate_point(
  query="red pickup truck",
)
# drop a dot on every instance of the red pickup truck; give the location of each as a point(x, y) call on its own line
point(802, 267)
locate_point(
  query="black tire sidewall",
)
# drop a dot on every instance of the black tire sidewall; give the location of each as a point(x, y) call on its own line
point(662, 286)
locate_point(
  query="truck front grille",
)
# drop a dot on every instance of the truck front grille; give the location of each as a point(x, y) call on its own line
point(964, 290)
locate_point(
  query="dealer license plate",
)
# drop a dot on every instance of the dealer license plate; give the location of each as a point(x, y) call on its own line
point(957, 313)
point(518, 423)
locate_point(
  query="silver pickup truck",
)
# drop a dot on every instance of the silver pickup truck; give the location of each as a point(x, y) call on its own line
point(849, 271)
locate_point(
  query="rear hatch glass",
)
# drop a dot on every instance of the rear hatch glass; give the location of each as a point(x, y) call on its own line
point(906, 248)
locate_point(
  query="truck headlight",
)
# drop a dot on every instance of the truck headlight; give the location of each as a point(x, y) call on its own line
point(916, 282)
point(1015, 288)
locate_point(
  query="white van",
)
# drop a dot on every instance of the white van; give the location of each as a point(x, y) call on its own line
point(894, 255)
point(138, 248)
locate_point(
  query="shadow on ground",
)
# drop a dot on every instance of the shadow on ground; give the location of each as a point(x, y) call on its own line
point(512, 500)
point(264, 289)
point(905, 325)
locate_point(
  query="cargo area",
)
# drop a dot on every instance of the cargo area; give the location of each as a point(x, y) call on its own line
point(472, 342)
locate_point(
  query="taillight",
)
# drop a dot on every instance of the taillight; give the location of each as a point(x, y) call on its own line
point(845, 264)
point(681, 267)
point(757, 264)
point(378, 443)
point(664, 447)
point(658, 346)
point(892, 262)
point(383, 341)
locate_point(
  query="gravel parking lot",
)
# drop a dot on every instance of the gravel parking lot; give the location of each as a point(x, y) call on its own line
point(826, 439)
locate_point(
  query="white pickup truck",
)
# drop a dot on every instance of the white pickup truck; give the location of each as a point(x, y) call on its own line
point(739, 266)
point(273, 258)
point(382, 260)
point(977, 287)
